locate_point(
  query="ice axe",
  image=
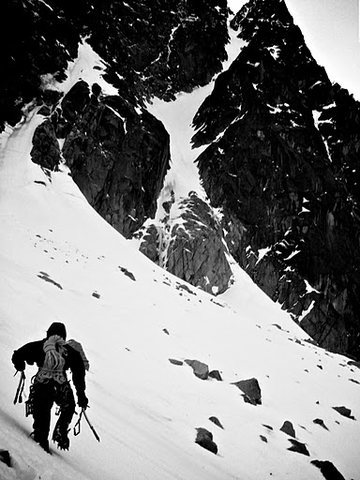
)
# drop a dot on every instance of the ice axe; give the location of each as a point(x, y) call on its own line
point(77, 425)
point(20, 388)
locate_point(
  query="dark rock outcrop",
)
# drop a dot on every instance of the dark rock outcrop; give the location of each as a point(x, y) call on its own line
point(328, 469)
point(283, 165)
point(320, 421)
point(176, 362)
point(288, 428)
point(200, 369)
point(40, 38)
point(216, 375)
point(204, 438)
point(46, 150)
point(216, 421)
point(251, 389)
point(298, 447)
point(190, 246)
point(5, 457)
point(118, 156)
point(345, 412)
point(149, 48)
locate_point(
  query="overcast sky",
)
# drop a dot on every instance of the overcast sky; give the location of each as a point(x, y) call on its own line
point(331, 31)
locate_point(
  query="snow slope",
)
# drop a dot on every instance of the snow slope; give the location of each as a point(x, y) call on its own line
point(55, 253)
point(60, 261)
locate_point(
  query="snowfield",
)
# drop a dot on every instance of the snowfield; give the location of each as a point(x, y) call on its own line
point(60, 261)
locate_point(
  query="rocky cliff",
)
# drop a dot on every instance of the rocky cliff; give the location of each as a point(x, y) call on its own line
point(282, 162)
point(118, 153)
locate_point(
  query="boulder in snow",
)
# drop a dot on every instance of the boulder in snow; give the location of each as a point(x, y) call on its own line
point(298, 447)
point(216, 421)
point(215, 374)
point(288, 428)
point(175, 362)
point(204, 438)
point(329, 471)
point(345, 412)
point(320, 421)
point(251, 389)
point(201, 370)
point(5, 457)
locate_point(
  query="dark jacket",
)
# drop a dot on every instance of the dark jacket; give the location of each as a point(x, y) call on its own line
point(33, 352)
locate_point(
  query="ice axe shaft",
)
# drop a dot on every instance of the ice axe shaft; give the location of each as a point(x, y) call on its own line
point(20, 389)
point(91, 427)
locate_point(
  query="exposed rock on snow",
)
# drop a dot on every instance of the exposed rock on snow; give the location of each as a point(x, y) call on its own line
point(216, 375)
point(319, 421)
point(298, 447)
point(204, 438)
point(196, 252)
point(45, 276)
point(128, 274)
point(251, 389)
point(201, 370)
point(5, 457)
point(189, 244)
point(345, 412)
point(176, 362)
point(46, 151)
point(329, 470)
point(216, 421)
point(288, 428)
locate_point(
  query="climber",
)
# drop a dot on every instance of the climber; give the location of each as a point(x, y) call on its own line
point(53, 356)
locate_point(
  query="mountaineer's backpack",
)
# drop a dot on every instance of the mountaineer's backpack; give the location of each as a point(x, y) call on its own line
point(54, 362)
point(77, 346)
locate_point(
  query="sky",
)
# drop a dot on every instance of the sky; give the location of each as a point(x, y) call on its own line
point(331, 31)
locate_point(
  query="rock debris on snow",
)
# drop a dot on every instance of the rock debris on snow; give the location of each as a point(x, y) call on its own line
point(345, 412)
point(298, 447)
point(216, 421)
point(328, 469)
point(200, 369)
point(204, 438)
point(251, 390)
point(288, 428)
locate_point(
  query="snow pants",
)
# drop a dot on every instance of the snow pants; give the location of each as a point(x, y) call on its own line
point(43, 397)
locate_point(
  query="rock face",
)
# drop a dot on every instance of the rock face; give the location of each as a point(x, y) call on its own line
point(150, 48)
point(283, 165)
point(46, 151)
point(118, 156)
point(189, 245)
point(118, 153)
